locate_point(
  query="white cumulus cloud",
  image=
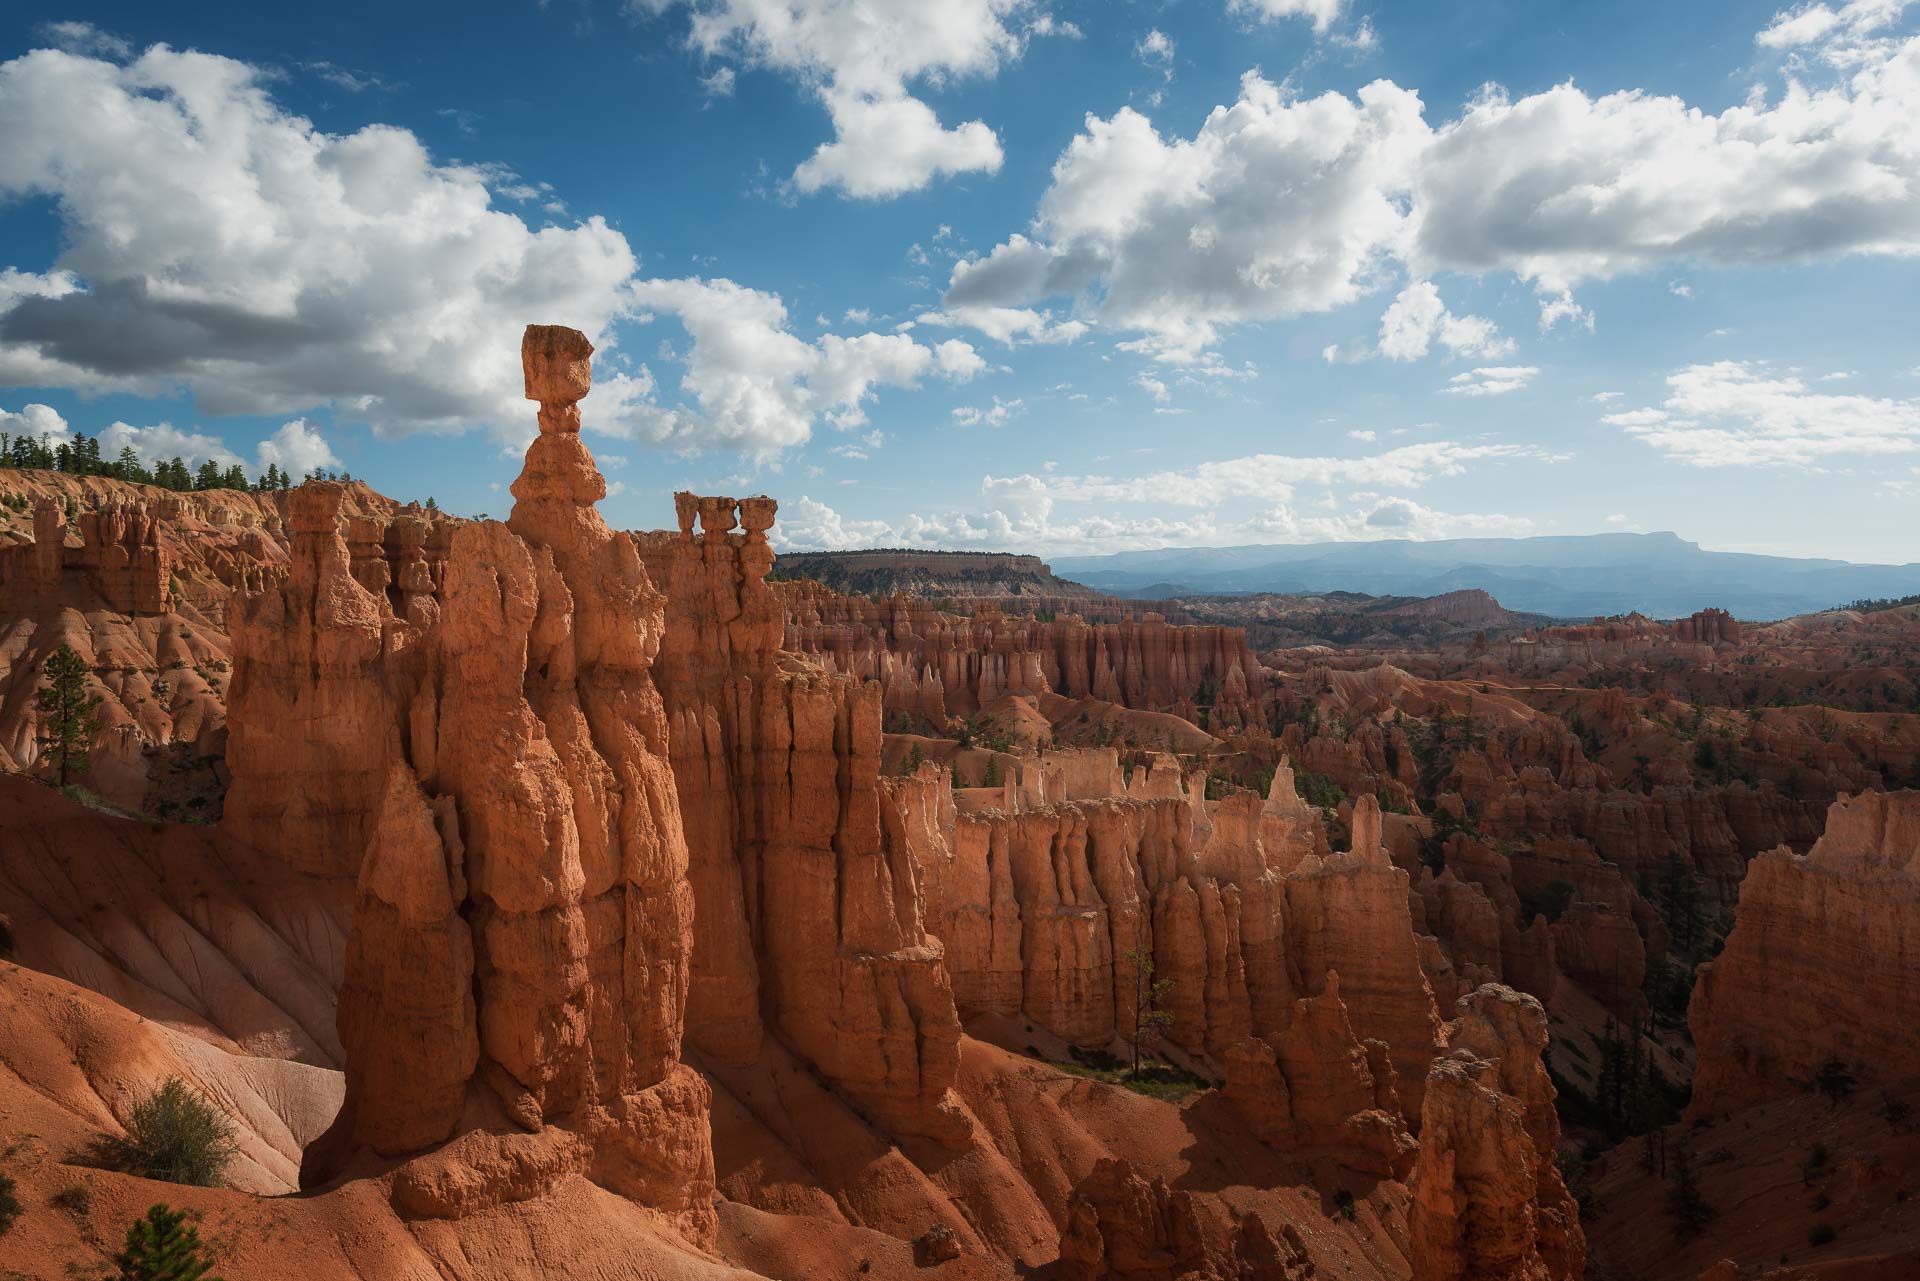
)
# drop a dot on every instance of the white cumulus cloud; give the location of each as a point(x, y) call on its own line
point(34, 421)
point(1733, 413)
point(1490, 380)
point(1417, 318)
point(1279, 204)
point(1321, 13)
point(750, 383)
point(296, 448)
point(216, 241)
point(861, 56)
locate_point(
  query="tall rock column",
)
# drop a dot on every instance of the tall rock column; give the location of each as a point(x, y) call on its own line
point(1348, 913)
point(1823, 962)
point(1488, 1201)
point(309, 716)
point(809, 925)
point(517, 973)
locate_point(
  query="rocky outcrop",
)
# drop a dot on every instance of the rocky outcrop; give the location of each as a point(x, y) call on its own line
point(1121, 1227)
point(1488, 1201)
point(1317, 1087)
point(808, 924)
point(1602, 952)
point(311, 712)
point(493, 767)
point(1043, 902)
point(119, 558)
point(1348, 914)
point(935, 664)
point(1707, 627)
point(1823, 963)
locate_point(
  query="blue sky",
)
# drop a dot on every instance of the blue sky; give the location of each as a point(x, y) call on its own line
point(1058, 277)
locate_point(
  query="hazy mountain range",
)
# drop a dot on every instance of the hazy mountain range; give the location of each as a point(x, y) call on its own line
point(1660, 574)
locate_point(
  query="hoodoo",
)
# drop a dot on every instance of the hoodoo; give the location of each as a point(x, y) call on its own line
point(1773, 1009)
point(517, 971)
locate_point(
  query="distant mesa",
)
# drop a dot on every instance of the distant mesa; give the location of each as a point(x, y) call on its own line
point(1659, 575)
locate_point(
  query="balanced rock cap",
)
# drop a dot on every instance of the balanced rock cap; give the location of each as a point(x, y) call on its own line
point(558, 363)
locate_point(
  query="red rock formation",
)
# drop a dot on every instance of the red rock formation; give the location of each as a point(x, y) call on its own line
point(1707, 627)
point(1040, 906)
point(309, 700)
point(1823, 963)
point(120, 559)
point(1318, 1087)
point(1347, 913)
point(1600, 950)
point(517, 973)
point(937, 664)
point(777, 769)
point(1488, 1201)
point(1123, 1228)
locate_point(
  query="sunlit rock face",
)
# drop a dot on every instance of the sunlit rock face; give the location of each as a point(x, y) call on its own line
point(488, 755)
point(1823, 963)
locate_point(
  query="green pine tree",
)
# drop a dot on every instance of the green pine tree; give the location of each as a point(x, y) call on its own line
point(127, 466)
point(163, 1247)
point(69, 716)
point(1149, 1019)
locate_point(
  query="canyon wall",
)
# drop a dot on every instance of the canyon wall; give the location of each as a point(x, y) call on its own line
point(1823, 965)
point(1043, 902)
point(807, 924)
point(119, 558)
point(935, 664)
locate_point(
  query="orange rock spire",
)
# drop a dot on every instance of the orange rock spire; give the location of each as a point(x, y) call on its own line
point(495, 768)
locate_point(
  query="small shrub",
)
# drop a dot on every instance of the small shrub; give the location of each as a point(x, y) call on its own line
point(175, 1136)
point(1822, 1234)
point(1343, 1202)
point(1318, 790)
point(75, 1198)
point(9, 1205)
point(6, 939)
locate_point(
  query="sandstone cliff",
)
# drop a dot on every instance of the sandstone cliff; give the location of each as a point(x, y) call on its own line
point(1823, 963)
point(1042, 901)
point(936, 664)
point(805, 923)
